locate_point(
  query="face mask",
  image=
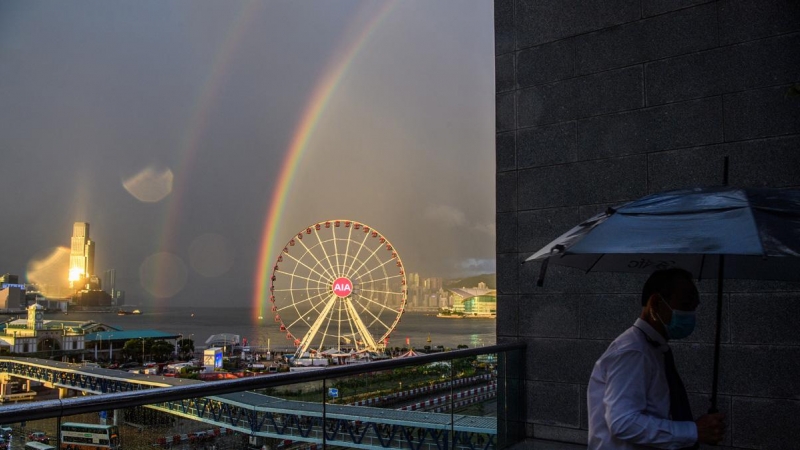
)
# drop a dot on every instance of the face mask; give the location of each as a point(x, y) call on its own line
point(682, 323)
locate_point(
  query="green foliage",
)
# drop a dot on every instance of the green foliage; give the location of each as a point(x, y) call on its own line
point(186, 348)
point(161, 350)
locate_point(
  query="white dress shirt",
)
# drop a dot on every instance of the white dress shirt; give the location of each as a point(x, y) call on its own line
point(628, 396)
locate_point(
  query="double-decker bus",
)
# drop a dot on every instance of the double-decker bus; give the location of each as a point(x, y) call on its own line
point(87, 436)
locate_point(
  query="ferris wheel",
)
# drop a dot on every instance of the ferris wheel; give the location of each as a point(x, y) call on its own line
point(338, 284)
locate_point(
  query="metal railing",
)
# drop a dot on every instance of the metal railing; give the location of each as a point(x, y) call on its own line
point(510, 389)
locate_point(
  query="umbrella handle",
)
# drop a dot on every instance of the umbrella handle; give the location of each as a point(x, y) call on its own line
point(542, 272)
point(543, 269)
point(717, 335)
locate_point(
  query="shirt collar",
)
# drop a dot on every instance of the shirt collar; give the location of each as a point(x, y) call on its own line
point(652, 334)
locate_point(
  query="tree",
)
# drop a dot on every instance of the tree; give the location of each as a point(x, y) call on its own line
point(186, 349)
point(161, 350)
point(137, 348)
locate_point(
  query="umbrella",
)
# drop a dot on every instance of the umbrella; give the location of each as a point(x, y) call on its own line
point(715, 232)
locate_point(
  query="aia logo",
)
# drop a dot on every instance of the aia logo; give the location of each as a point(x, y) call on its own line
point(342, 287)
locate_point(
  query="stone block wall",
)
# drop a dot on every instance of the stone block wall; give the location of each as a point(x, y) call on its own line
point(599, 102)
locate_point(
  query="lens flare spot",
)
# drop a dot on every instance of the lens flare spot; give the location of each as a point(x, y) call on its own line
point(210, 255)
point(150, 185)
point(49, 270)
point(163, 274)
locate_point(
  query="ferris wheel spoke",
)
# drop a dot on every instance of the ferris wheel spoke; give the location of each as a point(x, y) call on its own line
point(377, 267)
point(377, 280)
point(363, 331)
point(302, 263)
point(325, 252)
point(361, 245)
point(336, 252)
point(366, 260)
point(343, 337)
point(291, 289)
point(309, 300)
point(375, 317)
point(347, 249)
point(317, 260)
point(315, 327)
point(311, 280)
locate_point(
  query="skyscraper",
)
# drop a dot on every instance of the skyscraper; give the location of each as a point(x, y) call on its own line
point(110, 282)
point(81, 255)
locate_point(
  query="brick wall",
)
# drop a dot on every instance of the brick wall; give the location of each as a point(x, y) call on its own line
point(600, 102)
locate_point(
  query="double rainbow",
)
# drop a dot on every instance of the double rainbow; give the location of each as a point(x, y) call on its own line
point(315, 107)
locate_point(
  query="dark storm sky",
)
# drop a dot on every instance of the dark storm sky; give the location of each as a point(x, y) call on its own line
point(164, 124)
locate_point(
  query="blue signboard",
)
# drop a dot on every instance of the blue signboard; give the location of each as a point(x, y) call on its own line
point(333, 392)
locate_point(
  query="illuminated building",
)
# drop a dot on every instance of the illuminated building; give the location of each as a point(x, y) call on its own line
point(475, 302)
point(81, 256)
point(35, 334)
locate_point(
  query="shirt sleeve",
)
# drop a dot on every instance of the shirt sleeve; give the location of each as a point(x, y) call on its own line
point(625, 401)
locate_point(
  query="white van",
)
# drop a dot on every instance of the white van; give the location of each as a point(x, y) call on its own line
point(33, 445)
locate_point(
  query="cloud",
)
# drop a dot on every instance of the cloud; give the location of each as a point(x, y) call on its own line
point(445, 216)
point(474, 266)
point(450, 217)
point(487, 228)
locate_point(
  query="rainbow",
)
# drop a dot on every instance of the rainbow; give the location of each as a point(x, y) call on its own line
point(315, 107)
point(197, 124)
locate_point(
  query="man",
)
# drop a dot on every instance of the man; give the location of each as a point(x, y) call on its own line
point(635, 397)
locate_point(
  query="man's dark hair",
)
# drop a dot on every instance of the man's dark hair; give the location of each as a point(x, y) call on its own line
point(663, 282)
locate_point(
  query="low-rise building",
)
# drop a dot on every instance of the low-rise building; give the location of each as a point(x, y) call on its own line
point(35, 334)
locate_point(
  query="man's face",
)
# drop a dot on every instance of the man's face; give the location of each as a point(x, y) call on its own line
point(684, 297)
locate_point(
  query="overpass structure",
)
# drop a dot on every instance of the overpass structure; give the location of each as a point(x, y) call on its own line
point(259, 415)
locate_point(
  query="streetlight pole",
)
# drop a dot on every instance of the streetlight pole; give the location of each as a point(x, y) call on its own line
point(110, 348)
point(96, 345)
point(142, 351)
point(178, 345)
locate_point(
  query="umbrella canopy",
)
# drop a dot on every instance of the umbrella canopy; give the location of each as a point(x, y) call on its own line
point(756, 230)
point(717, 232)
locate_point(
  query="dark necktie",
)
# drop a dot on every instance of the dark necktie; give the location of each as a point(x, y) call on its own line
point(679, 408)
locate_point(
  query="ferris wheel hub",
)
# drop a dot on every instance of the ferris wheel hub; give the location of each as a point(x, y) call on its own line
point(342, 287)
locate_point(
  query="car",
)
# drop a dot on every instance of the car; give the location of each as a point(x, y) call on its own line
point(4, 444)
point(129, 365)
point(39, 436)
point(6, 431)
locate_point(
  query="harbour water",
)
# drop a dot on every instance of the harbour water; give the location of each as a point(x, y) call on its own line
point(200, 323)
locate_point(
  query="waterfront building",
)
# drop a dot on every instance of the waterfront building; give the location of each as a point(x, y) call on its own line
point(119, 297)
point(34, 334)
point(92, 298)
point(475, 302)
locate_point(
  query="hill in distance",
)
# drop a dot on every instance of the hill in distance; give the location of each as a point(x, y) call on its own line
point(469, 282)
